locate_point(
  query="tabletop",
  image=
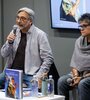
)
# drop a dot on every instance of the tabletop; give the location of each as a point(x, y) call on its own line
point(55, 97)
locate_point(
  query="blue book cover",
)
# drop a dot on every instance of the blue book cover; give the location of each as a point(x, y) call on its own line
point(13, 83)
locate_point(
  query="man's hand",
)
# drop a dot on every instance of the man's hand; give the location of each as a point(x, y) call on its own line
point(11, 37)
point(40, 80)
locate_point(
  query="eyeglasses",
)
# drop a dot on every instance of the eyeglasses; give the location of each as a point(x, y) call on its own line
point(21, 18)
point(83, 26)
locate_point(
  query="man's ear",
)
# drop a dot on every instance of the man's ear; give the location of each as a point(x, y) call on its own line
point(30, 21)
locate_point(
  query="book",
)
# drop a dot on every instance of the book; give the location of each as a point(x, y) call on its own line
point(13, 83)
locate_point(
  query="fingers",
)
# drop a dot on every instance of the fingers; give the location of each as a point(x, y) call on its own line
point(39, 83)
point(44, 75)
point(11, 37)
point(76, 80)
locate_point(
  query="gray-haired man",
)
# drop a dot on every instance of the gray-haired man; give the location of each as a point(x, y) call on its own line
point(28, 49)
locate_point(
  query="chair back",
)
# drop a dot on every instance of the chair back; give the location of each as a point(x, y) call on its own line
point(53, 71)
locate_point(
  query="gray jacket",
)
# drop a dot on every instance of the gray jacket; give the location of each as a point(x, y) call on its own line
point(38, 54)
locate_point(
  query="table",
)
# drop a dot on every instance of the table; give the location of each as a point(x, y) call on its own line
point(56, 97)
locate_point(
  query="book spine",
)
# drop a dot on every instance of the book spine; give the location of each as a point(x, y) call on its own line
point(20, 85)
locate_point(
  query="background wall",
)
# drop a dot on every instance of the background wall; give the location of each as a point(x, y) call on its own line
point(61, 40)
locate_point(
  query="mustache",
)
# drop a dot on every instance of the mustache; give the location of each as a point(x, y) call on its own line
point(21, 26)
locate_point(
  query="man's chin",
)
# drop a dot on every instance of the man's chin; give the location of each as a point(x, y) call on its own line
point(21, 27)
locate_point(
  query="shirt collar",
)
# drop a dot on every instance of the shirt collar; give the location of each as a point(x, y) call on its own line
point(31, 29)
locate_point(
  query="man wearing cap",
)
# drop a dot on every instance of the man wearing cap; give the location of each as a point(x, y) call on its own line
point(27, 48)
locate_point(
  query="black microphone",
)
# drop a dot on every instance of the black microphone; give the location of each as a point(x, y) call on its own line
point(14, 31)
point(70, 81)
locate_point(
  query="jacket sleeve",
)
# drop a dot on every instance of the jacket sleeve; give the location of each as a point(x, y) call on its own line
point(45, 54)
point(6, 49)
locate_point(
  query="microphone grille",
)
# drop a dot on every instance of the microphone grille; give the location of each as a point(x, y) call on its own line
point(15, 28)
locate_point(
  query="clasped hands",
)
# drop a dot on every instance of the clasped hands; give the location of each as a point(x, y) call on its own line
point(75, 81)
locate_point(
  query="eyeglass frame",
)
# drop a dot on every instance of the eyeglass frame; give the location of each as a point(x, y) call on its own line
point(83, 26)
point(22, 18)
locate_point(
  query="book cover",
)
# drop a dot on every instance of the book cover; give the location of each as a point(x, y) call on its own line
point(13, 83)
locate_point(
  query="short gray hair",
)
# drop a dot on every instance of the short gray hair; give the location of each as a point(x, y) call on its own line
point(29, 11)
